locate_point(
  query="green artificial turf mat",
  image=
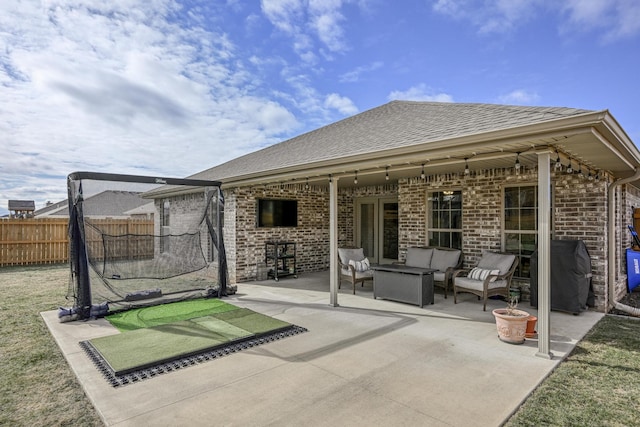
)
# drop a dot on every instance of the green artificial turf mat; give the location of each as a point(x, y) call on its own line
point(145, 347)
point(146, 317)
point(251, 321)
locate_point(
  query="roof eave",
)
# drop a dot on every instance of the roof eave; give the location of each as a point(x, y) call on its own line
point(558, 128)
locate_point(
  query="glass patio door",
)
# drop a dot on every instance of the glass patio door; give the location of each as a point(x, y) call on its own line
point(377, 228)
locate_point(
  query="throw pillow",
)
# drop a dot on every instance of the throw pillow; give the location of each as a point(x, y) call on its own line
point(360, 265)
point(482, 273)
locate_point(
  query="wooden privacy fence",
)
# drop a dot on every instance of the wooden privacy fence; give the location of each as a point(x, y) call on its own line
point(45, 241)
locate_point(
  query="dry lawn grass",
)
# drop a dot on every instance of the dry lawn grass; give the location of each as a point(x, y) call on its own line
point(597, 385)
point(38, 388)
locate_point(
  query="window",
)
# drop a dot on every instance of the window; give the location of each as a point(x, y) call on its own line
point(521, 225)
point(164, 214)
point(165, 230)
point(445, 219)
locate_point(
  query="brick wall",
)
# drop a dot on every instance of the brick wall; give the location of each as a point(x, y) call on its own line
point(580, 212)
point(579, 208)
point(185, 215)
point(248, 246)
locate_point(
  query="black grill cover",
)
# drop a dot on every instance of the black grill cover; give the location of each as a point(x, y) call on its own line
point(571, 288)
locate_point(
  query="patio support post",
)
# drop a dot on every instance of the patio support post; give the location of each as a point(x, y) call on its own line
point(544, 254)
point(333, 242)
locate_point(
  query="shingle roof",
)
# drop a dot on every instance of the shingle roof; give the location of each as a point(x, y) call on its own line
point(112, 203)
point(396, 124)
point(104, 204)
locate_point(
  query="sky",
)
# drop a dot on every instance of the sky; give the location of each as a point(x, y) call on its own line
point(173, 87)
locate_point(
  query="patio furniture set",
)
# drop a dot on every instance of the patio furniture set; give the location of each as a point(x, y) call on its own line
point(413, 280)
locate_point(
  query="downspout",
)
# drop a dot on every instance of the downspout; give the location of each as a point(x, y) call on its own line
point(612, 246)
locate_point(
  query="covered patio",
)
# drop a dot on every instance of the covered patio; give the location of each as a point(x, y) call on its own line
point(365, 362)
point(581, 166)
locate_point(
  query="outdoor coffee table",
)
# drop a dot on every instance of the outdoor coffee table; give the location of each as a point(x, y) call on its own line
point(400, 283)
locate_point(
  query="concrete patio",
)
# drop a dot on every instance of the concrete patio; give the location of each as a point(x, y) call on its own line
point(368, 362)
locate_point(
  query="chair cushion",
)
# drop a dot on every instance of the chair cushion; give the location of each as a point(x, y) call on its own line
point(492, 260)
point(438, 276)
point(360, 265)
point(482, 273)
point(364, 274)
point(443, 259)
point(419, 257)
point(346, 255)
point(476, 285)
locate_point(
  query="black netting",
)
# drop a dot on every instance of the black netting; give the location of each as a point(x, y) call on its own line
point(139, 241)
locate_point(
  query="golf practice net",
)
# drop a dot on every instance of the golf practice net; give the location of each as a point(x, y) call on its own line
point(137, 241)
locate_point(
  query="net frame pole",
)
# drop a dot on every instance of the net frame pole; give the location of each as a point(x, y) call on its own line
point(78, 260)
point(222, 256)
point(98, 176)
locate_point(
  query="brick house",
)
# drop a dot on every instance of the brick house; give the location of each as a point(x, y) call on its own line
point(418, 173)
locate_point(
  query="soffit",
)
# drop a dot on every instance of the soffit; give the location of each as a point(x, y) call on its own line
point(401, 136)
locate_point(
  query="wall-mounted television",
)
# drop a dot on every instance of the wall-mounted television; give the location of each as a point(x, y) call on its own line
point(277, 213)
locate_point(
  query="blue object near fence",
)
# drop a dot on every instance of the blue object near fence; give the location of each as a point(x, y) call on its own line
point(633, 269)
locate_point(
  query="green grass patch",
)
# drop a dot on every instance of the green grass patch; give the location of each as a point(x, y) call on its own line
point(598, 384)
point(147, 317)
point(216, 325)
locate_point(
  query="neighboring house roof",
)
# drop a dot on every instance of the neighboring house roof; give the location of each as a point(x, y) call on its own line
point(22, 205)
point(402, 135)
point(112, 203)
point(146, 209)
point(108, 203)
point(52, 209)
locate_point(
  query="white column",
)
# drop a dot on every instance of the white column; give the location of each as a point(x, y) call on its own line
point(333, 242)
point(544, 254)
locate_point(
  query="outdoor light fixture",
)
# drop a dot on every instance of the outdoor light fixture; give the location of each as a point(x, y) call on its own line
point(569, 168)
point(386, 176)
point(590, 177)
point(355, 180)
point(422, 173)
point(517, 166)
point(597, 176)
point(558, 162)
point(306, 186)
point(466, 166)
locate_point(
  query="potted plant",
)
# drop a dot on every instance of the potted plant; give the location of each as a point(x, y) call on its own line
point(531, 327)
point(511, 322)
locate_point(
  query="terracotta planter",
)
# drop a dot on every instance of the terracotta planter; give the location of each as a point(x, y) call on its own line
point(531, 327)
point(511, 328)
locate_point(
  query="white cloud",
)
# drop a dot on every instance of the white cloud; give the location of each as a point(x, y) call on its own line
point(122, 87)
point(619, 19)
point(420, 93)
point(614, 19)
point(315, 26)
point(285, 14)
point(493, 16)
point(326, 19)
point(354, 75)
point(343, 104)
point(519, 97)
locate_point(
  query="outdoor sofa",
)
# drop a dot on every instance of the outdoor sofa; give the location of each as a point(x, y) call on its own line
point(444, 260)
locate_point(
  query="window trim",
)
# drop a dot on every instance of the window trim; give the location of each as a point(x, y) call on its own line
point(535, 231)
point(428, 212)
